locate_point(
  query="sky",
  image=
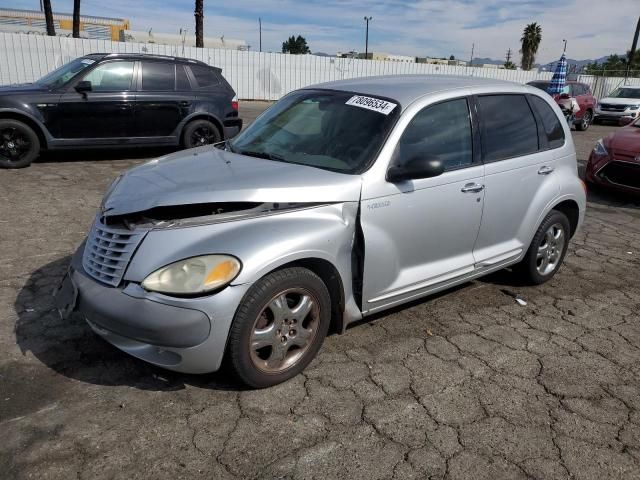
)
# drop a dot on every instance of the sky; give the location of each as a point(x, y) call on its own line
point(593, 28)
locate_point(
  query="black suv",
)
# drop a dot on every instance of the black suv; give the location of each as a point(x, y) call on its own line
point(117, 100)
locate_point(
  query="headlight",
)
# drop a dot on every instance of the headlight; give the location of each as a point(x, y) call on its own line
point(599, 148)
point(194, 275)
point(633, 107)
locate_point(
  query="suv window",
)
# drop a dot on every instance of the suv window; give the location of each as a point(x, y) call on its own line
point(508, 127)
point(182, 80)
point(158, 76)
point(443, 131)
point(205, 77)
point(550, 123)
point(111, 77)
point(577, 89)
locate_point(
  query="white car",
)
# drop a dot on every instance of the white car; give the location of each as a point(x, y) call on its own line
point(622, 102)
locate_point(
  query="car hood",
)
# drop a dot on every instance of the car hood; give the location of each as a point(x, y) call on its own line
point(211, 175)
point(620, 101)
point(625, 139)
point(21, 88)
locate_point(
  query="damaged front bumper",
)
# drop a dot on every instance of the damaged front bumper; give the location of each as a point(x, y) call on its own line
point(181, 334)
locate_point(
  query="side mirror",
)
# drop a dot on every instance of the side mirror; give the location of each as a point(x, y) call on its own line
point(83, 87)
point(564, 96)
point(418, 167)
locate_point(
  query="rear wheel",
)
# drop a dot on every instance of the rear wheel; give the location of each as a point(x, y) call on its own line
point(279, 327)
point(584, 123)
point(547, 250)
point(200, 132)
point(19, 144)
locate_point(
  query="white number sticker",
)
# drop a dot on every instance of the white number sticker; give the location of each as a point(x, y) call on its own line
point(87, 61)
point(375, 104)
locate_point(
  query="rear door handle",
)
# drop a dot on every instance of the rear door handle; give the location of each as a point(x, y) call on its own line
point(184, 103)
point(472, 188)
point(545, 170)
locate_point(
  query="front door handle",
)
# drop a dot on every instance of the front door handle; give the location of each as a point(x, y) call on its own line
point(472, 188)
point(545, 170)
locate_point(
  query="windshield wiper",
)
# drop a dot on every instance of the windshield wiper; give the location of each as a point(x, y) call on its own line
point(265, 155)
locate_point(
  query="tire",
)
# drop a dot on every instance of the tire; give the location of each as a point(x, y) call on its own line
point(200, 132)
point(261, 320)
point(19, 144)
point(584, 123)
point(535, 270)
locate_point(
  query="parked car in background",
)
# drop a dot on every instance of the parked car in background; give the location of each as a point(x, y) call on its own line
point(615, 160)
point(342, 200)
point(621, 104)
point(582, 93)
point(117, 100)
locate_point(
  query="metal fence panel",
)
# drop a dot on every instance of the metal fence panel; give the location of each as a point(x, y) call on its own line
point(253, 75)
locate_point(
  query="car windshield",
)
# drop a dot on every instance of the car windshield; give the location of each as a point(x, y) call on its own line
point(332, 130)
point(66, 72)
point(626, 93)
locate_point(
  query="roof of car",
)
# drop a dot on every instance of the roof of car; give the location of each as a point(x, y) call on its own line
point(146, 55)
point(408, 88)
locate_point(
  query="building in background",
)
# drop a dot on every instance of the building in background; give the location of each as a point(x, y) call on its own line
point(32, 22)
point(187, 40)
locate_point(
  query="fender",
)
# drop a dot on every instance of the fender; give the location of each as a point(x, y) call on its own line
point(202, 114)
point(21, 113)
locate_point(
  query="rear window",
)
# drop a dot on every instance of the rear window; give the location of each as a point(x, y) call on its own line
point(205, 77)
point(550, 123)
point(508, 127)
point(158, 76)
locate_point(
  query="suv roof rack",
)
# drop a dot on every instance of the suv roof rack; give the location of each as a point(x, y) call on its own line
point(151, 55)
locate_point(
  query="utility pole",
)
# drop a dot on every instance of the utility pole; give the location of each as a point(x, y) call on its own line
point(632, 53)
point(473, 46)
point(366, 41)
point(260, 26)
point(508, 56)
point(565, 45)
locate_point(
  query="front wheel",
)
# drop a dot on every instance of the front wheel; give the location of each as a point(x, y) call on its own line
point(19, 144)
point(198, 133)
point(584, 123)
point(279, 327)
point(547, 250)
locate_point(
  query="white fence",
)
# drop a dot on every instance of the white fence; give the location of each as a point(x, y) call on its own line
point(253, 75)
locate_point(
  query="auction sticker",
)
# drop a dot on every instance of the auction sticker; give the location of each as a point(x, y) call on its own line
point(375, 104)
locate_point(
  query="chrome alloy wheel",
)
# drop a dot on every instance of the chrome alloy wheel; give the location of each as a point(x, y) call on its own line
point(284, 330)
point(550, 249)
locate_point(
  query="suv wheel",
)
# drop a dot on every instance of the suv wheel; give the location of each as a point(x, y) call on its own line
point(200, 132)
point(547, 249)
point(583, 124)
point(279, 327)
point(19, 144)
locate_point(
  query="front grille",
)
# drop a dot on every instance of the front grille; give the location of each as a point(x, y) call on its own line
point(613, 108)
point(108, 251)
point(625, 174)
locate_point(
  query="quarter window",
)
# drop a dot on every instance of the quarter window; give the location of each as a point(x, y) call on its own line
point(111, 77)
point(550, 123)
point(205, 76)
point(441, 131)
point(509, 127)
point(158, 76)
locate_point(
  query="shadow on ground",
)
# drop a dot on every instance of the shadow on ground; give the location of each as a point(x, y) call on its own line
point(70, 348)
point(82, 155)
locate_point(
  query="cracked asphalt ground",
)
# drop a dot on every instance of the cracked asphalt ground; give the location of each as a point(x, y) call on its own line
point(467, 384)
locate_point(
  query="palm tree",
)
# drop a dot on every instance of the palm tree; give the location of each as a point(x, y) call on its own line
point(199, 14)
point(76, 18)
point(531, 38)
point(48, 17)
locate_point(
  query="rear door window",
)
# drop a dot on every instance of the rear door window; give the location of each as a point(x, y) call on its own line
point(550, 122)
point(509, 128)
point(182, 80)
point(158, 76)
point(205, 77)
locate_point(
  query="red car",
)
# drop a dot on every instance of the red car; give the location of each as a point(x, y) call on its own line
point(615, 160)
point(582, 94)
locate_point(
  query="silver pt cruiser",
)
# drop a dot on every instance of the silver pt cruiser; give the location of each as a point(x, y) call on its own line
point(341, 200)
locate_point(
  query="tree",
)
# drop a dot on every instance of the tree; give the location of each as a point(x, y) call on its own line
point(48, 17)
point(531, 38)
point(451, 57)
point(295, 46)
point(509, 65)
point(615, 66)
point(199, 14)
point(76, 18)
